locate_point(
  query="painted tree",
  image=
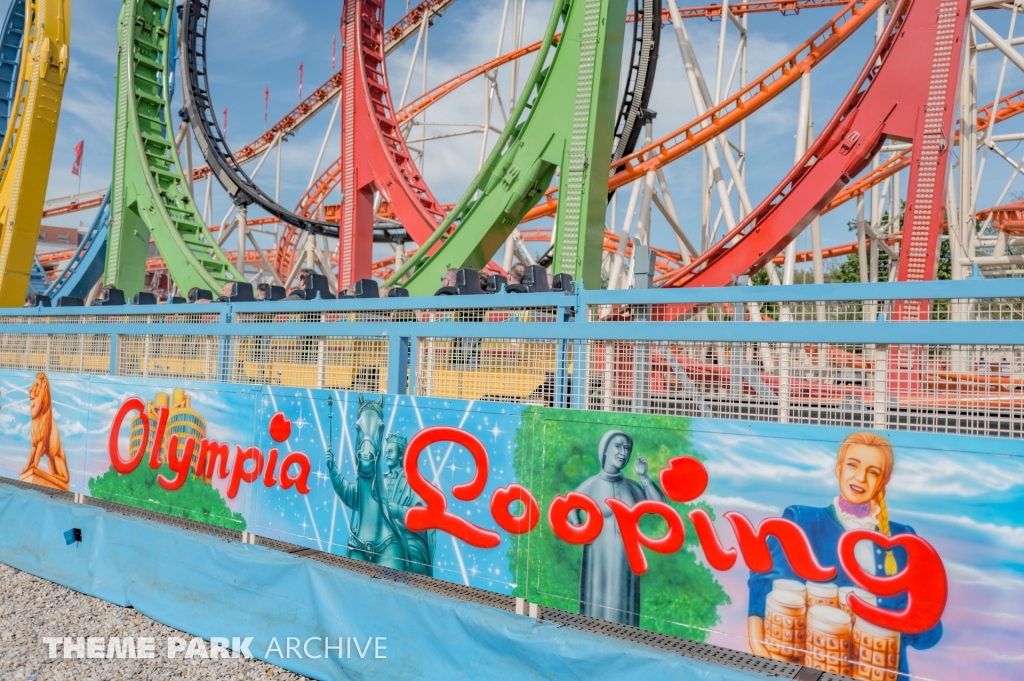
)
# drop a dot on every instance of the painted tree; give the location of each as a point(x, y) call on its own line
point(196, 500)
point(556, 450)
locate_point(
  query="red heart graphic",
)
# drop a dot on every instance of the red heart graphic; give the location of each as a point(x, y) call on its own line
point(280, 428)
point(684, 480)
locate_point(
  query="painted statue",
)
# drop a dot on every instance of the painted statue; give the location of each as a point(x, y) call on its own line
point(45, 440)
point(609, 589)
point(375, 535)
point(864, 467)
point(400, 498)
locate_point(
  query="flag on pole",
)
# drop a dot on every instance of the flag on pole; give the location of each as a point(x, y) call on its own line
point(300, 81)
point(266, 107)
point(334, 53)
point(225, 125)
point(76, 169)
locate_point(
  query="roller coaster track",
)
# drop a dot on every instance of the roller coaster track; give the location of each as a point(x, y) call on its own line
point(330, 89)
point(908, 97)
point(10, 58)
point(149, 194)
point(31, 132)
point(374, 157)
point(643, 64)
point(374, 152)
point(735, 108)
point(571, 104)
point(201, 116)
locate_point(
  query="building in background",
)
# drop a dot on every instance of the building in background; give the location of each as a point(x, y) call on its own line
point(182, 421)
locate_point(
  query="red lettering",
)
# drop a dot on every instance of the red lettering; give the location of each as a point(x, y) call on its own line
point(717, 555)
point(113, 446)
point(558, 518)
point(280, 428)
point(514, 524)
point(180, 465)
point(435, 515)
point(239, 473)
point(158, 440)
point(628, 518)
point(684, 479)
point(210, 451)
point(268, 477)
point(923, 580)
point(301, 481)
point(754, 546)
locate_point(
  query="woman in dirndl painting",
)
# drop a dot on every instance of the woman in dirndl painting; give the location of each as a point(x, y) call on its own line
point(864, 467)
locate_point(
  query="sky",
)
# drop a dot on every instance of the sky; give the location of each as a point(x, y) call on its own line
point(259, 44)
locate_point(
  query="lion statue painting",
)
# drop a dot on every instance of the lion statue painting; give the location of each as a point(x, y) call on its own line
point(45, 440)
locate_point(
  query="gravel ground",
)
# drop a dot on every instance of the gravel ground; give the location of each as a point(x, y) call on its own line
point(33, 608)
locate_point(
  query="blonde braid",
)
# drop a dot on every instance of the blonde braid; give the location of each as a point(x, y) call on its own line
point(883, 525)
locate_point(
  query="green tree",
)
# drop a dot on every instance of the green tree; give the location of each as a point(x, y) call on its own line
point(555, 452)
point(196, 500)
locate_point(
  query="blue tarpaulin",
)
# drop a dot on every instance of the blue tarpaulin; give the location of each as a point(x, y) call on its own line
point(209, 587)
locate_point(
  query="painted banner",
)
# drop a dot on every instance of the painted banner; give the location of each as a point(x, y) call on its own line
point(870, 554)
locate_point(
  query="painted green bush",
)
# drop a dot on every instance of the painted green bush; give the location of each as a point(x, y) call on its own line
point(196, 500)
point(556, 450)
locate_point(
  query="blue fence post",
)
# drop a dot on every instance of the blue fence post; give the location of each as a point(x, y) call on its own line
point(113, 354)
point(224, 350)
point(398, 365)
point(578, 385)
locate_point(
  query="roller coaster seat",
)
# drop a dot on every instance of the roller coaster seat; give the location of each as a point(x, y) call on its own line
point(495, 282)
point(275, 293)
point(109, 297)
point(197, 294)
point(70, 301)
point(176, 300)
point(367, 288)
point(144, 298)
point(317, 283)
point(239, 292)
point(535, 278)
point(467, 283)
point(398, 292)
point(38, 300)
point(563, 283)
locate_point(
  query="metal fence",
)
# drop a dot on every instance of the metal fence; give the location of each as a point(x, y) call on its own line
point(958, 368)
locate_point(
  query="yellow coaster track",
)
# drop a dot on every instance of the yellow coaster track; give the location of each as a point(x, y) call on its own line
point(28, 144)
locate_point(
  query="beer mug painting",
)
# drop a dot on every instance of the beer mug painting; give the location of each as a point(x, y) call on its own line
point(834, 638)
point(786, 625)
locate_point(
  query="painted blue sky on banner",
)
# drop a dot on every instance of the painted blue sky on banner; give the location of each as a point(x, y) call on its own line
point(322, 521)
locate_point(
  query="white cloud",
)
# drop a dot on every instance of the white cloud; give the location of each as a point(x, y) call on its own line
point(722, 504)
point(1004, 535)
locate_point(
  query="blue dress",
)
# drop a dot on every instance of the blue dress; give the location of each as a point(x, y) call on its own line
point(823, 529)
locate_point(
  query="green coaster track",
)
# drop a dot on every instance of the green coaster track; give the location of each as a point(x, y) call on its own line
point(150, 196)
point(565, 120)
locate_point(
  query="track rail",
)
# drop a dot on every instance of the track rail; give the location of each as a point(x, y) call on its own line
point(643, 65)
point(31, 132)
point(374, 156)
point(732, 110)
point(326, 93)
point(10, 59)
point(149, 193)
point(201, 116)
point(571, 104)
point(909, 97)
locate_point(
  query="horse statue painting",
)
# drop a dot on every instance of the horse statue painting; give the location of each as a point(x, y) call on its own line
point(45, 441)
point(375, 536)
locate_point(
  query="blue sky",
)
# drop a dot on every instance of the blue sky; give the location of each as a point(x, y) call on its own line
point(257, 44)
